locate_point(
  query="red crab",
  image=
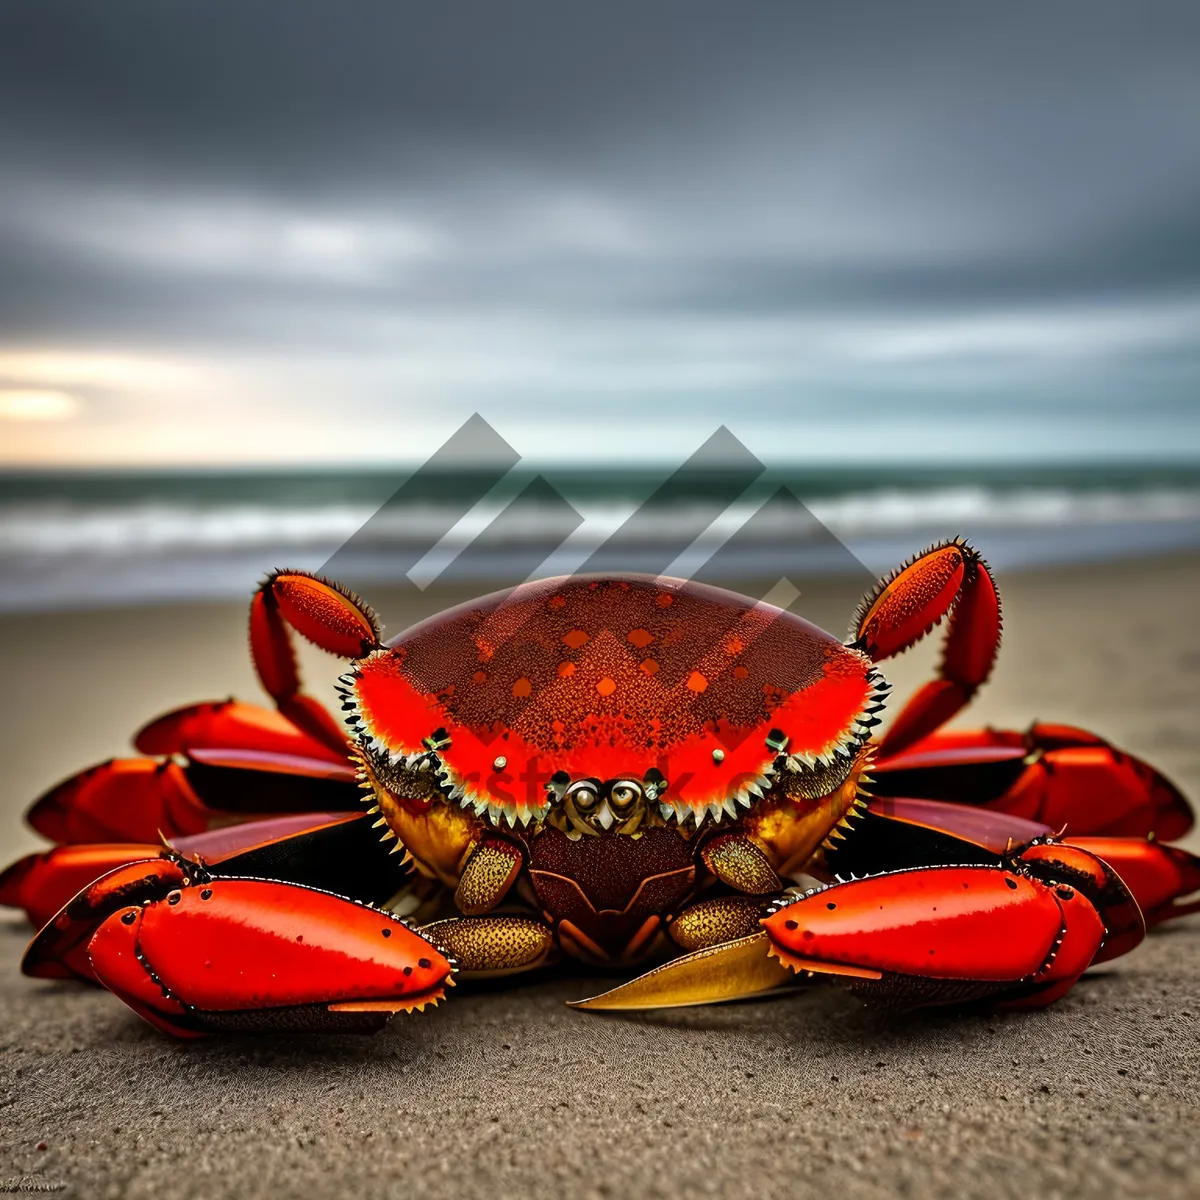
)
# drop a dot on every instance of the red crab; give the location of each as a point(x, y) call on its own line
point(616, 770)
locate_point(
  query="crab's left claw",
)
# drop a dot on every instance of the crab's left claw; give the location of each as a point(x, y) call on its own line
point(257, 955)
point(1017, 933)
point(948, 935)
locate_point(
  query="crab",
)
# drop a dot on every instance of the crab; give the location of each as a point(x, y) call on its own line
point(623, 771)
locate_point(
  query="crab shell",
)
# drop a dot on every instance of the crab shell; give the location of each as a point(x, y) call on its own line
point(701, 693)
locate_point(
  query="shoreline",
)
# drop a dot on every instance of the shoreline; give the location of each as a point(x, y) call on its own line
point(80, 579)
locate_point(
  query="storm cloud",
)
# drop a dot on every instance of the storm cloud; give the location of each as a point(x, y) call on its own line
point(344, 227)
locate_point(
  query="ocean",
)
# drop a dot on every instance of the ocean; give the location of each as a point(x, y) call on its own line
point(81, 540)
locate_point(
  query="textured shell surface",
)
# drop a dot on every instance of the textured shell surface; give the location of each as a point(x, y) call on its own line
point(606, 678)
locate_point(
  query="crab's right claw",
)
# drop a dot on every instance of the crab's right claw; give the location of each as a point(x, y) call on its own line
point(59, 951)
point(253, 955)
point(932, 935)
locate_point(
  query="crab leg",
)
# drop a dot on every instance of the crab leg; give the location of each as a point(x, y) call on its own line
point(137, 799)
point(42, 883)
point(494, 946)
point(721, 919)
point(335, 621)
point(122, 800)
point(230, 725)
point(254, 955)
point(1158, 876)
point(947, 580)
point(1053, 774)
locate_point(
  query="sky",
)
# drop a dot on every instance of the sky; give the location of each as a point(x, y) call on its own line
point(239, 232)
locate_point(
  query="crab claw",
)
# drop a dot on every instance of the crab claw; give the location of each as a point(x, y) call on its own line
point(59, 951)
point(1158, 876)
point(1066, 867)
point(42, 883)
point(942, 935)
point(254, 955)
point(1019, 932)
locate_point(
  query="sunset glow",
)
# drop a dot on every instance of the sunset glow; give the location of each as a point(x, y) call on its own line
point(24, 404)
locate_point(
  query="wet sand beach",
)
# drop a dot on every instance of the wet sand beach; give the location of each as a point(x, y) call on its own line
point(505, 1092)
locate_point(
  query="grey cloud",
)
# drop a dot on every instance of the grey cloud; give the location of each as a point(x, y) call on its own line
point(773, 194)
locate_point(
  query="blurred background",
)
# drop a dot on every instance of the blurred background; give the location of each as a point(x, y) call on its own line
point(935, 267)
point(437, 296)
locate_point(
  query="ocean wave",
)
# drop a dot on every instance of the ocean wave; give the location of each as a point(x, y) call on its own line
point(70, 554)
point(54, 529)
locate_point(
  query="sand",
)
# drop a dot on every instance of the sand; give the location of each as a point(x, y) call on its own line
point(506, 1092)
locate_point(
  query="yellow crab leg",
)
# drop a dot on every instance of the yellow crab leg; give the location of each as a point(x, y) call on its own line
point(729, 971)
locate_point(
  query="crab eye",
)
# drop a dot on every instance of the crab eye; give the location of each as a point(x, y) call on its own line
point(623, 794)
point(584, 796)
